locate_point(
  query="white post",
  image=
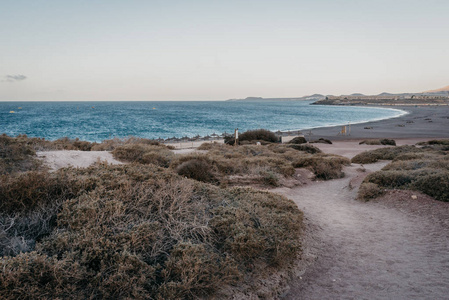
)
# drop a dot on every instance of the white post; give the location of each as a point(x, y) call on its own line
point(236, 134)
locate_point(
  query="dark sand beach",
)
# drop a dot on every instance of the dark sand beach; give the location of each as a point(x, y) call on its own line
point(419, 122)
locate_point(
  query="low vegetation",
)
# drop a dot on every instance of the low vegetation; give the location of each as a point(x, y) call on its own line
point(253, 136)
point(423, 169)
point(141, 230)
point(324, 166)
point(379, 142)
point(16, 155)
point(321, 141)
point(298, 140)
point(388, 153)
point(41, 144)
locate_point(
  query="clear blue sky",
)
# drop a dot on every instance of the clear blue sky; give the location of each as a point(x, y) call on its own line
point(212, 50)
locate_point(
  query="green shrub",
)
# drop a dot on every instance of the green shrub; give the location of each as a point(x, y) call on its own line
point(435, 184)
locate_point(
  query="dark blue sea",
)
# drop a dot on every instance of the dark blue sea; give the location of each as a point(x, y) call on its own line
point(96, 121)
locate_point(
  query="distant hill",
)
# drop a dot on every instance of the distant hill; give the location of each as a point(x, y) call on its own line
point(444, 89)
point(304, 98)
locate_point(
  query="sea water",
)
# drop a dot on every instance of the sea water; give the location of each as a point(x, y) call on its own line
point(97, 121)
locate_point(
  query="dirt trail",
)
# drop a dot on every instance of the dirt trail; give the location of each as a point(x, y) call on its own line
point(367, 250)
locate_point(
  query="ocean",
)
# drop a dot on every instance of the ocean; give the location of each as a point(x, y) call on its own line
point(97, 121)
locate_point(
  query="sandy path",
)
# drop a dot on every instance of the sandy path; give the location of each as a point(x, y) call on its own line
point(82, 159)
point(367, 250)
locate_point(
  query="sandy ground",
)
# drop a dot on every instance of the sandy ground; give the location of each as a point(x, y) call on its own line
point(395, 247)
point(60, 159)
point(369, 250)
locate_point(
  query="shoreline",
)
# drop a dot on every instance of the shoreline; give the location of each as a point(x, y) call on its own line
point(417, 122)
point(422, 122)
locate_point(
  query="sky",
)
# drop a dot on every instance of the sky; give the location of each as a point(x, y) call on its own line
point(99, 50)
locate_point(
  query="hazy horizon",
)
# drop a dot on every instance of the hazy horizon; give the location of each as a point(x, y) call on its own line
point(204, 50)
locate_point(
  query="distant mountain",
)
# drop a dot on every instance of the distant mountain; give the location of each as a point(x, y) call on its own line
point(444, 89)
point(357, 94)
point(304, 98)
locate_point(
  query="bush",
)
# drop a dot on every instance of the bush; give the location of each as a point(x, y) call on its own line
point(109, 145)
point(435, 142)
point(389, 153)
point(435, 184)
point(306, 148)
point(322, 141)
point(16, 156)
point(323, 166)
point(390, 179)
point(270, 178)
point(379, 142)
point(428, 176)
point(298, 140)
point(259, 135)
point(368, 191)
point(146, 154)
point(197, 169)
point(388, 142)
point(140, 231)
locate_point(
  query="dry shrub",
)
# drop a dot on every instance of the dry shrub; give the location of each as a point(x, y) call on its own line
point(435, 142)
point(390, 179)
point(197, 169)
point(252, 136)
point(298, 140)
point(140, 231)
point(324, 166)
point(379, 142)
point(26, 191)
point(158, 155)
point(109, 145)
point(389, 153)
point(270, 178)
point(322, 141)
point(259, 135)
point(306, 148)
point(16, 155)
point(206, 146)
point(388, 142)
point(257, 225)
point(368, 191)
point(269, 163)
point(427, 172)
